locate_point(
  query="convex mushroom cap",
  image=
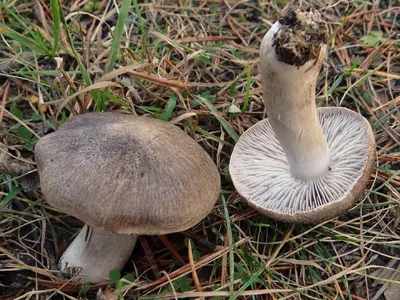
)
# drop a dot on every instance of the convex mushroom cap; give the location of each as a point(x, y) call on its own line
point(301, 164)
point(127, 174)
point(124, 174)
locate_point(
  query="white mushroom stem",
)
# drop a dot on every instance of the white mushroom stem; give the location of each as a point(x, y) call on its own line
point(289, 96)
point(94, 254)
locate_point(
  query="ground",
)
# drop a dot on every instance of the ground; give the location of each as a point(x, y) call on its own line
point(195, 63)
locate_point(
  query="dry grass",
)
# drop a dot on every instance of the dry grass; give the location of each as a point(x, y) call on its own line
point(169, 55)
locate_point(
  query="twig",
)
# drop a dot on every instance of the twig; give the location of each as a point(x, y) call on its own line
point(3, 101)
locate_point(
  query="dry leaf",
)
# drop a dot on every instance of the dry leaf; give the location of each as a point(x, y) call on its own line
point(12, 165)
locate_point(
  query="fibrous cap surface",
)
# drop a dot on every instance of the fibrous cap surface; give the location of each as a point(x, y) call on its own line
point(127, 174)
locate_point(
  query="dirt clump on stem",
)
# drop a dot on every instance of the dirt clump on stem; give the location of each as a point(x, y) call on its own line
point(300, 37)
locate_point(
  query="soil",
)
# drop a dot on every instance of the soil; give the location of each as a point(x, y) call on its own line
point(300, 37)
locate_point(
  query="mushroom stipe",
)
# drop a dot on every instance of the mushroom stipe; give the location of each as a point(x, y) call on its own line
point(261, 174)
point(301, 164)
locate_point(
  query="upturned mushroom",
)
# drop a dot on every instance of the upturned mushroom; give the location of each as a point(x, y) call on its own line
point(124, 176)
point(301, 164)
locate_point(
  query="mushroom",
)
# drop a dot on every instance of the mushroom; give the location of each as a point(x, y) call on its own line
point(301, 164)
point(124, 176)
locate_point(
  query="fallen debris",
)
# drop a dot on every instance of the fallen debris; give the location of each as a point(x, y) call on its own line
point(13, 165)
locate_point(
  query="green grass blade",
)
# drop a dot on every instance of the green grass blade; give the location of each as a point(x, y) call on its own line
point(55, 9)
point(35, 35)
point(40, 40)
point(50, 73)
point(15, 17)
point(335, 85)
point(362, 79)
point(247, 283)
point(353, 66)
point(169, 108)
point(140, 19)
point(232, 133)
point(384, 118)
point(23, 40)
point(119, 29)
point(157, 110)
point(115, 99)
point(10, 196)
point(85, 74)
point(230, 242)
point(248, 85)
point(210, 136)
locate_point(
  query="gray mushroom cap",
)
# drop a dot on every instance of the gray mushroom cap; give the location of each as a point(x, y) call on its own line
point(127, 174)
point(261, 174)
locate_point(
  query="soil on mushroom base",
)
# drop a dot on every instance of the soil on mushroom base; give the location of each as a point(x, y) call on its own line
point(299, 40)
